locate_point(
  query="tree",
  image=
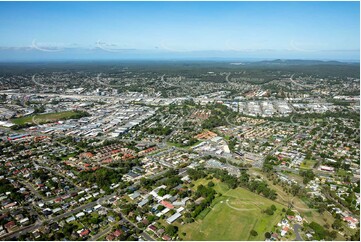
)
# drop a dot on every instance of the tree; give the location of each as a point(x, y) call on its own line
point(307, 176)
point(322, 208)
point(269, 211)
point(333, 234)
point(356, 236)
point(337, 224)
point(290, 212)
point(22, 237)
point(171, 230)
point(253, 233)
point(151, 218)
point(210, 184)
point(67, 229)
point(162, 192)
point(59, 236)
point(267, 235)
point(320, 232)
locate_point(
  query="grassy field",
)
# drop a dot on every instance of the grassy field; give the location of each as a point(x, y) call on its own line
point(44, 118)
point(220, 187)
point(301, 205)
point(307, 164)
point(233, 215)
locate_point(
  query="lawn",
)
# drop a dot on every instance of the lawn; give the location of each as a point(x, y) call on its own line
point(307, 164)
point(44, 118)
point(342, 172)
point(233, 215)
point(204, 213)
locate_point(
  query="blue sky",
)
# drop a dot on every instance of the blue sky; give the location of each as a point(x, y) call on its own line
point(317, 30)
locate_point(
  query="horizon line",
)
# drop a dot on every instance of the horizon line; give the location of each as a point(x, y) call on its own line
point(179, 59)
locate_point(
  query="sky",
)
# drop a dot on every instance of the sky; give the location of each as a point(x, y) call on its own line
point(121, 30)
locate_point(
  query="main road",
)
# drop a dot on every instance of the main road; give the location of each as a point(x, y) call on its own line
point(298, 84)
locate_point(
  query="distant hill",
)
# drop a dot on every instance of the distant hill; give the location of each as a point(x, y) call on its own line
point(286, 62)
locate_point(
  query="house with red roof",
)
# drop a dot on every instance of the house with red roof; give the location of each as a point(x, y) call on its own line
point(10, 225)
point(110, 237)
point(86, 155)
point(84, 233)
point(152, 228)
point(274, 236)
point(107, 160)
point(115, 151)
point(167, 204)
point(127, 156)
point(10, 205)
point(166, 237)
point(352, 222)
point(284, 231)
point(117, 233)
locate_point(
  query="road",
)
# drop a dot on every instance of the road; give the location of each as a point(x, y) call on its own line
point(32, 189)
point(101, 234)
point(147, 236)
point(227, 78)
point(298, 84)
point(295, 228)
point(144, 233)
point(231, 124)
point(38, 83)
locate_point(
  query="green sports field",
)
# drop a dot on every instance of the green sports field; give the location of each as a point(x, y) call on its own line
point(233, 215)
point(44, 118)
